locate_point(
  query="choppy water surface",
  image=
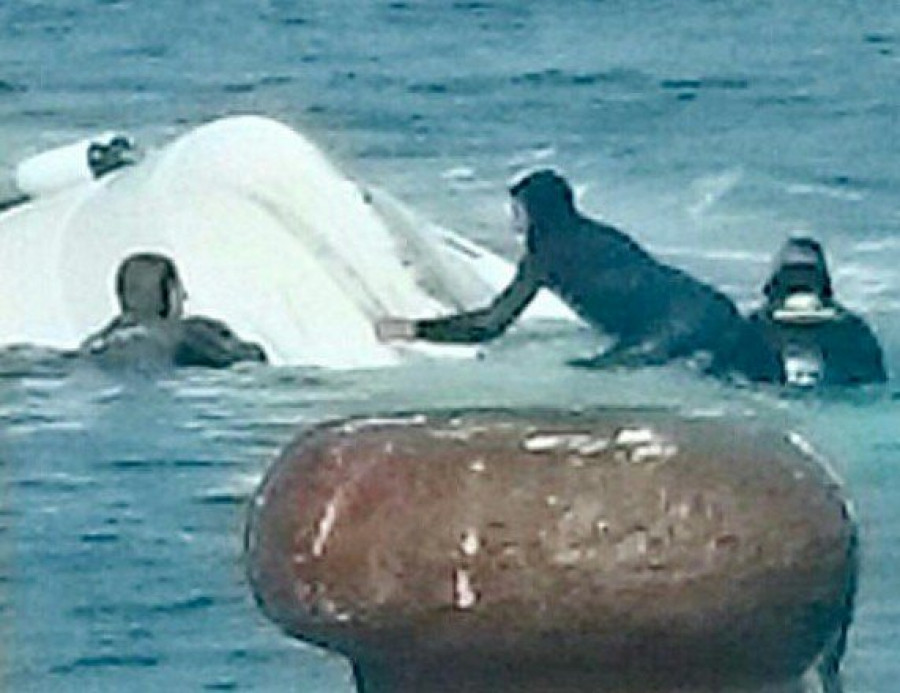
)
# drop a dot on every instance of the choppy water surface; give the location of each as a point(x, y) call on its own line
point(124, 501)
point(708, 130)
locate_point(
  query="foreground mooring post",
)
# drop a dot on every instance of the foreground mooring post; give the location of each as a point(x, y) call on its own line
point(610, 550)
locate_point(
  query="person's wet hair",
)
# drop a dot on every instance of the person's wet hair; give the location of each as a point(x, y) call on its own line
point(800, 265)
point(546, 195)
point(166, 275)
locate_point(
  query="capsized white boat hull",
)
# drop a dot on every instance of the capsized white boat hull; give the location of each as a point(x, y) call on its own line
point(268, 236)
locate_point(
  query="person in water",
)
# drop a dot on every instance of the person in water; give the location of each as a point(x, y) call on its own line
point(818, 339)
point(152, 327)
point(655, 313)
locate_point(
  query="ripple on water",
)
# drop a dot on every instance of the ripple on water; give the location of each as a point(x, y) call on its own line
point(238, 492)
point(54, 481)
point(224, 497)
point(725, 83)
point(99, 537)
point(193, 603)
point(11, 88)
point(107, 661)
point(157, 463)
point(554, 77)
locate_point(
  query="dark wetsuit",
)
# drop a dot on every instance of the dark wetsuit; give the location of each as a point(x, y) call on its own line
point(654, 312)
point(844, 346)
point(195, 341)
point(208, 342)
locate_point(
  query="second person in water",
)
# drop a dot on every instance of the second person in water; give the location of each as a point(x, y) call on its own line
point(654, 312)
point(819, 340)
point(152, 328)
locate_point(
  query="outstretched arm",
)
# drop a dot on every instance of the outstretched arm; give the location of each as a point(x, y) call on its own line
point(472, 326)
point(211, 343)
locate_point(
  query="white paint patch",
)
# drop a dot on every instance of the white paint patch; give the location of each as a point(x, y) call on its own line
point(802, 444)
point(643, 445)
point(633, 546)
point(581, 443)
point(634, 436)
point(464, 596)
point(542, 443)
point(477, 466)
point(568, 556)
point(374, 422)
point(652, 452)
point(593, 446)
point(683, 510)
point(452, 435)
point(469, 544)
point(326, 524)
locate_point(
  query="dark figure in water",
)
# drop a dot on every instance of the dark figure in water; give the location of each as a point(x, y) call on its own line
point(151, 327)
point(819, 340)
point(654, 312)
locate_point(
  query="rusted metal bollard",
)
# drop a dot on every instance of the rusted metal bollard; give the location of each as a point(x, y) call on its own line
point(611, 550)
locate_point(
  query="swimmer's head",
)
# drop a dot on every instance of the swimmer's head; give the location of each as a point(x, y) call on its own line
point(799, 267)
point(545, 196)
point(148, 287)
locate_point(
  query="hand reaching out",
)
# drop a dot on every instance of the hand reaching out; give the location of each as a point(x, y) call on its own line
point(395, 330)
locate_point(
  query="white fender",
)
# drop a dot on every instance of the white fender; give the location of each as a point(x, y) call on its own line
point(54, 170)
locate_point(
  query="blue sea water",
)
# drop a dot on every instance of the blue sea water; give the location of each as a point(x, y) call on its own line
point(709, 130)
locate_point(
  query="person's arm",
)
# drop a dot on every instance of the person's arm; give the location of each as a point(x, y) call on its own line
point(100, 340)
point(206, 342)
point(861, 353)
point(473, 326)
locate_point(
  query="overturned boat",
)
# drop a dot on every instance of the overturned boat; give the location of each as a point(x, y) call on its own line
point(267, 234)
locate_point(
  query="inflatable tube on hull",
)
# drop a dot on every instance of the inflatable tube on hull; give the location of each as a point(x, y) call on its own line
point(49, 172)
point(615, 550)
point(268, 236)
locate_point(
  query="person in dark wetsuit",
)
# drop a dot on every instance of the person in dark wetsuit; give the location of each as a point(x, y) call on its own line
point(819, 340)
point(151, 327)
point(654, 312)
